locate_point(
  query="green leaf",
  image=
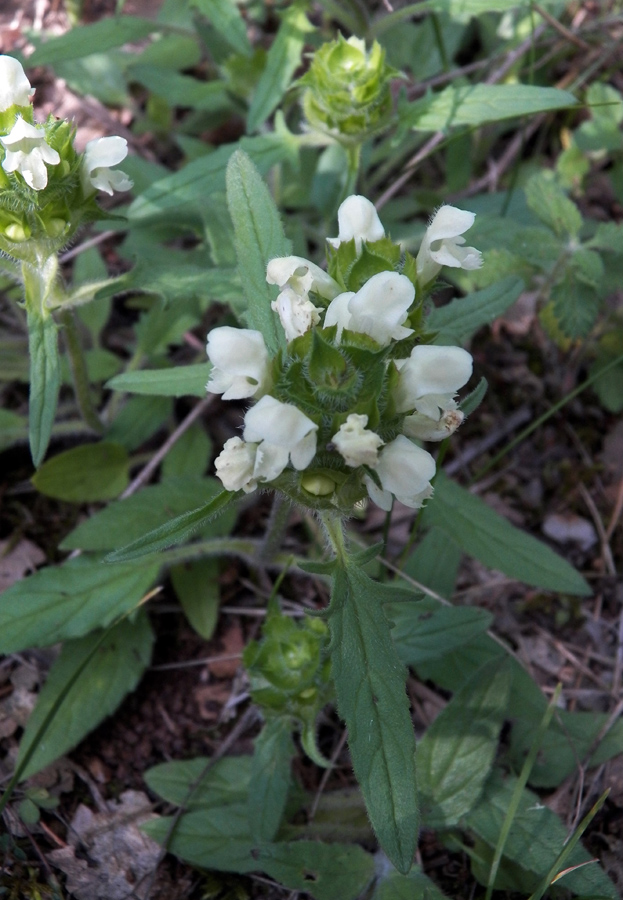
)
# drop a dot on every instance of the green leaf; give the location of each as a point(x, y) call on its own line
point(114, 671)
point(461, 318)
point(197, 588)
point(195, 182)
point(62, 602)
point(550, 204)
point(575, 304)
point(284, 57)
point(270, 777)
point(456, 753)
point(391, 885)
point(427, 630)
point(45, 380)
point(85, 474)
point(182, 90)
point(211, 783)
point(259, 238)
point(139, 419)
point(435, 563)
point(124, 521)
point(480, 103)
point(484, 534)
point(13, 428)
point(175, 531)
point(370, 686)
point(328, 871)
point(227, 21)
point(609, 237)
point(114, 31)
point(178, 381)
point(189, 456)
point(175, 281)
point(536, 837)
point(219, 838)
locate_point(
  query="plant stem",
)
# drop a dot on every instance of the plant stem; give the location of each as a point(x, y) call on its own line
point(335, 533)
point(275, 528)
point(79, 374)
point(353, 153)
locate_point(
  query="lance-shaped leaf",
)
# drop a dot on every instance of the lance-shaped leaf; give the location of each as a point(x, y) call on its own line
point(175, 531)
point(113, 671)
point(456, 753)
point(270, 778)
point(370, 686)
point(259, 237)
point(45, 379)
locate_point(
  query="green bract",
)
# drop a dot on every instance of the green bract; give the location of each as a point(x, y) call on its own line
point(347, 88)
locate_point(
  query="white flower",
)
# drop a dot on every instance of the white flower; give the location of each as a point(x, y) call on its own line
point(442, 244)
point(296, 313)
point(241, 363)
point(405, 471)
point(430, 378)
point(283, 432)
point(296, 277)
point(378, 309)
point(235, 464)
point(15, 89)
point(423, 428)
point(357, 218)
point(355, 443)
point(302, 276)
point(95, 172)
point(27, 152)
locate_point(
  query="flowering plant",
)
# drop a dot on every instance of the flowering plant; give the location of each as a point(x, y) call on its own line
point(337, 411)
point(47, 191)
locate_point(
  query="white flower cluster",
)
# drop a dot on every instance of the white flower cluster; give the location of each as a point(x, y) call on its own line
point(27, 151)
point(277, 433)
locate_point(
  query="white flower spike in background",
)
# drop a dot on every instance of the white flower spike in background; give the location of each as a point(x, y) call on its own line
point(442, 244)
point(357, 218)
point(28, 153)
point(96, 174)
point(241, 363)
point(15, 89)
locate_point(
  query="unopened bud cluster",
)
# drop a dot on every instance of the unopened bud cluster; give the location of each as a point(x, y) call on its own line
point(347, 91)
point(337, 413)
point(46, 187)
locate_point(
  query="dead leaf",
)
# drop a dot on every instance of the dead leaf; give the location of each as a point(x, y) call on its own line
point(18, 561)
point(233, 644)
point(211, 698)
point(570, 529)
point(119, 857)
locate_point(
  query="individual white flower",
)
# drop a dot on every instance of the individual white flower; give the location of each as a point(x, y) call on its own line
point(423, 428)
point(296, 277)
point(27, 152)
point(405, 471)
point(442, 244)
point(355, 443)
point(296, 312)
point(95, 171)
point(378, 309)
point(283, 432)
point(430, 378)
point(15, 89)
point(357, 218)
point(241, 363)
point(235, 464)
point(302, 276)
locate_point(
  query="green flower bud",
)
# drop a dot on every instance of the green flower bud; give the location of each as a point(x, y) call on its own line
point(318, 485)
point(17, 233)
point(348, 88)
